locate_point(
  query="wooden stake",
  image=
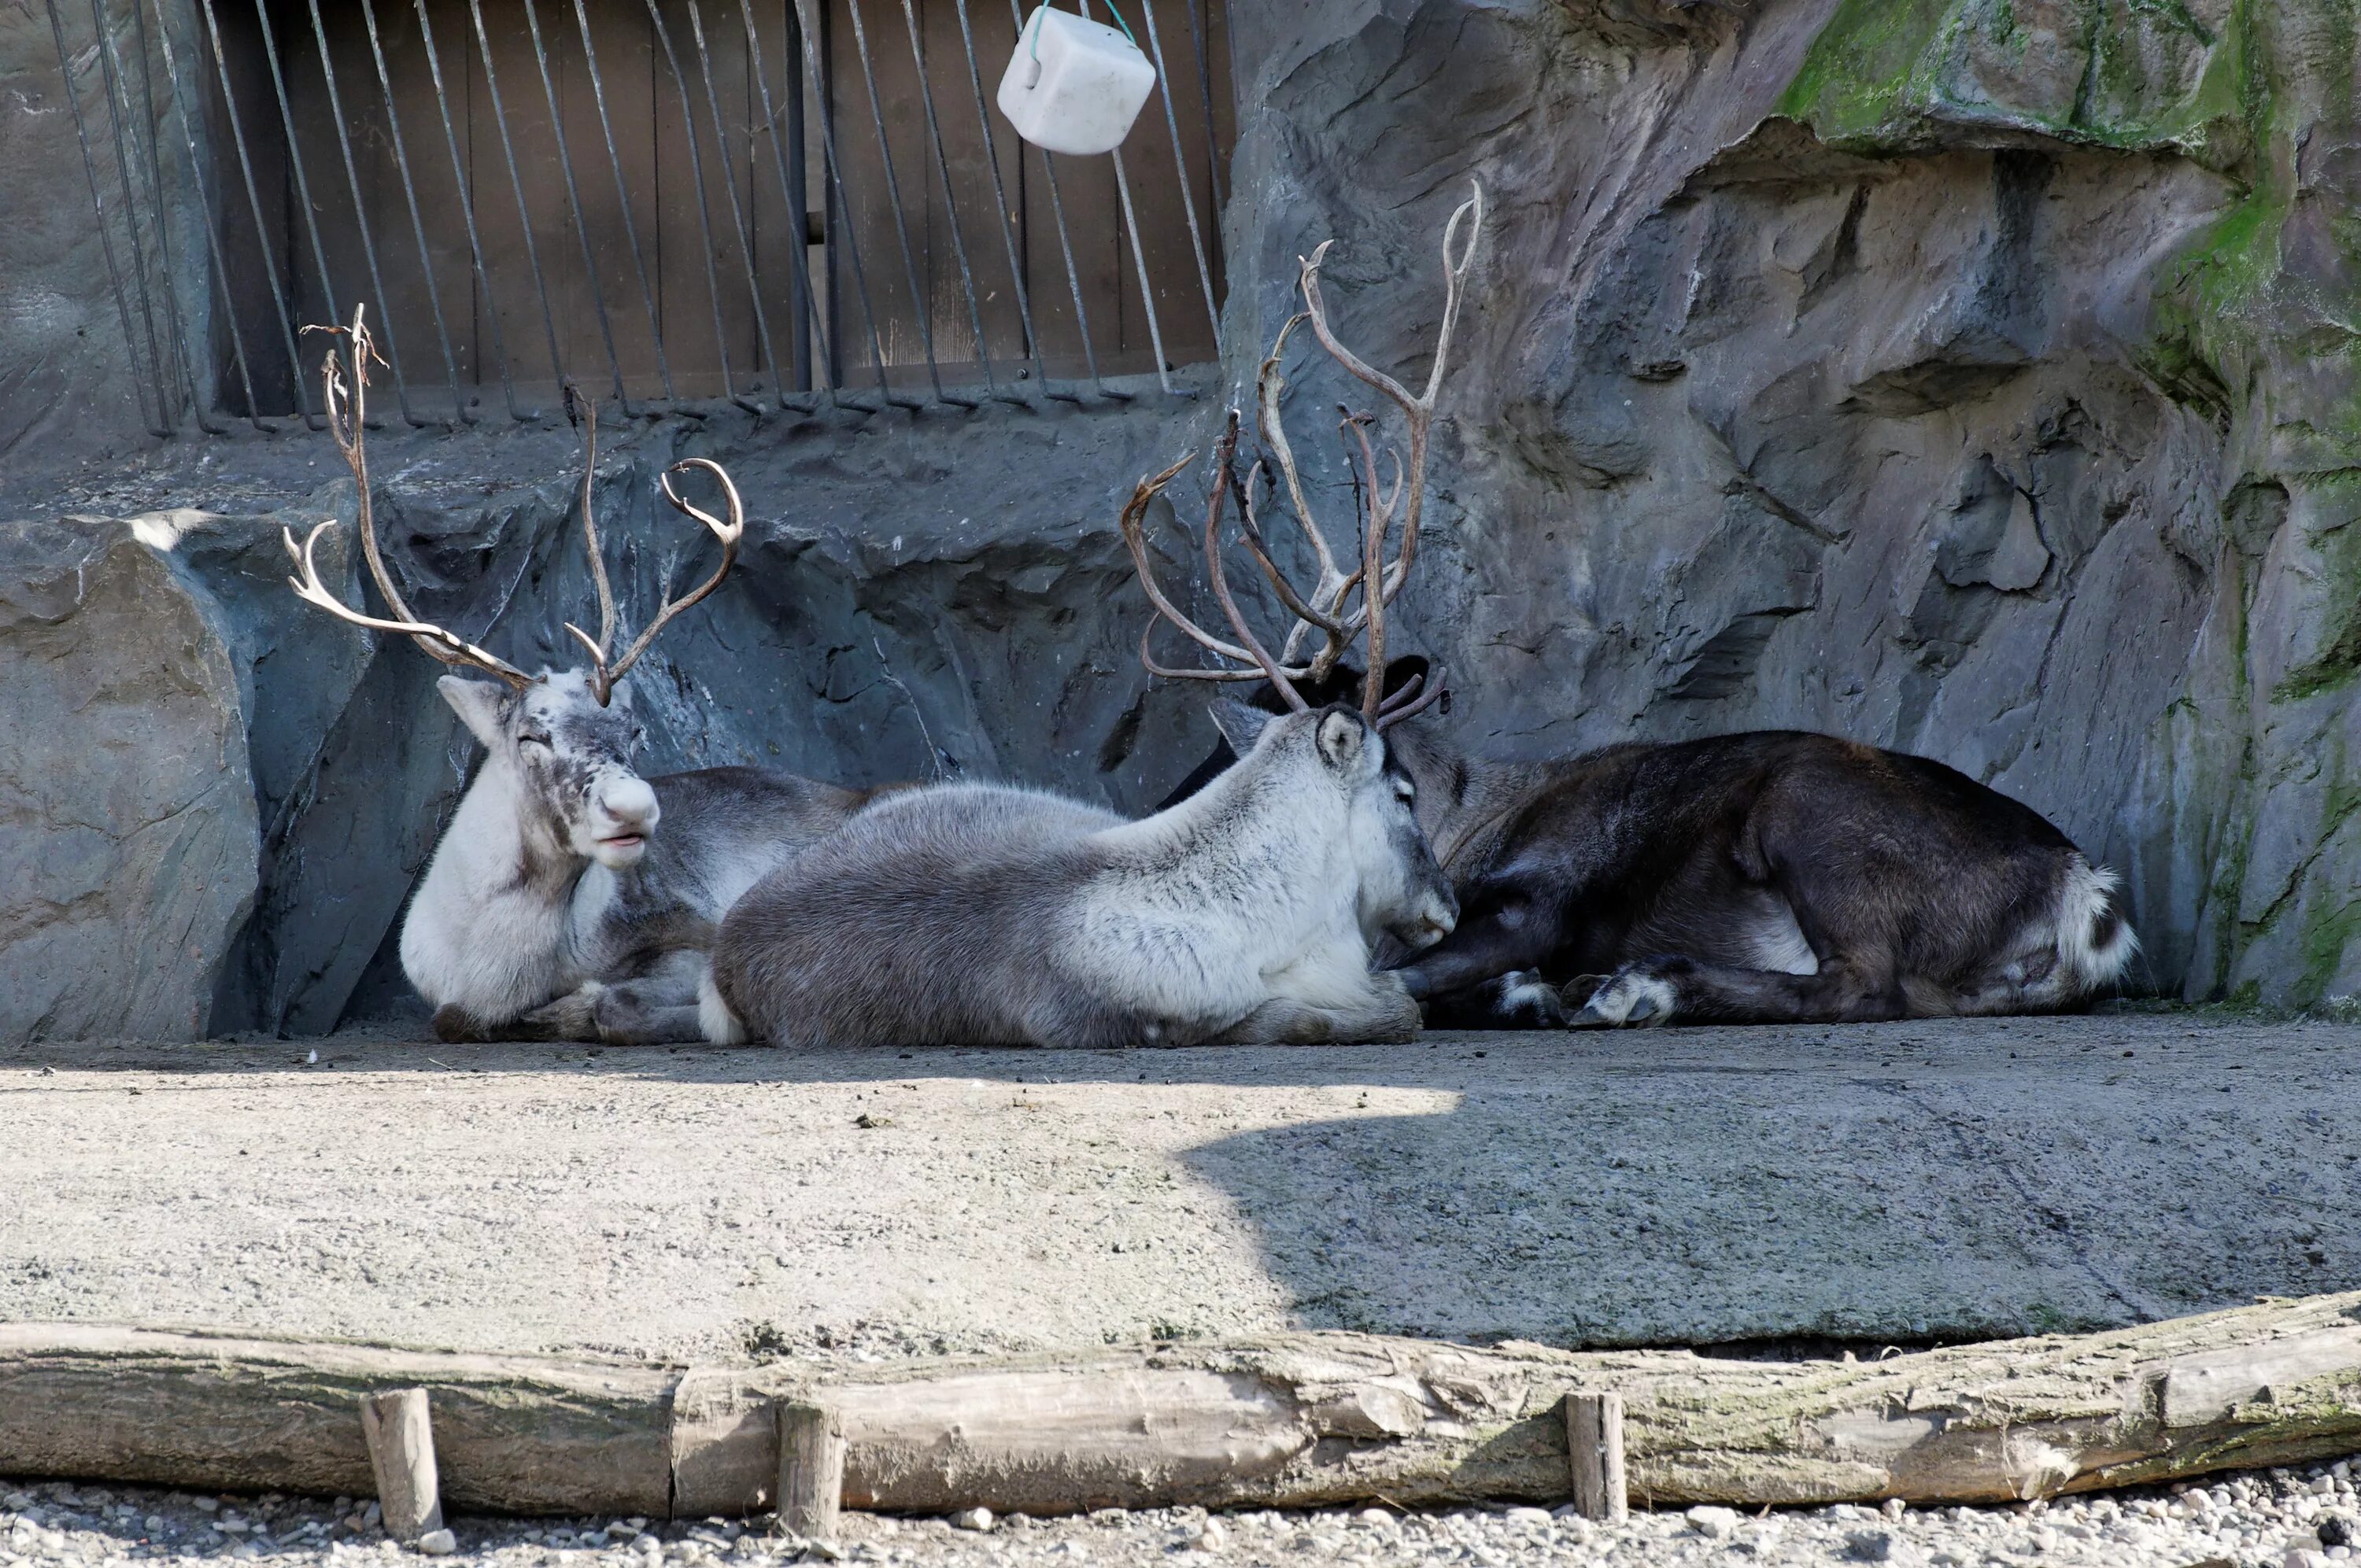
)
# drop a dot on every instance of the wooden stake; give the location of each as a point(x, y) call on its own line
point(811, 1469)
point(401, 1439)
point(1594, 1453)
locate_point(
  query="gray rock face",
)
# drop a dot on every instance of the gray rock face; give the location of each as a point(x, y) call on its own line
point(128, 854)
point(1975, 380)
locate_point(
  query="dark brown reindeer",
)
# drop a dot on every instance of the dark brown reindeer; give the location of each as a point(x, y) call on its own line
point(1766, 877)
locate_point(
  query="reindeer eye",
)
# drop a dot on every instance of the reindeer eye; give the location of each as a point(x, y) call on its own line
point(540, 740)
point(1405, 790)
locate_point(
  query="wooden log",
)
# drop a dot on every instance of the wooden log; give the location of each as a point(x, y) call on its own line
point(1287, 1421)
point(1594, 1456)
point(400, 1433)
point(811, 1469)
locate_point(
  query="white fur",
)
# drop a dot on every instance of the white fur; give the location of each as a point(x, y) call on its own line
point(1778, 942)
point(2086, 896)
point(1212, 912)
point(476, 936)
point(720, 1024)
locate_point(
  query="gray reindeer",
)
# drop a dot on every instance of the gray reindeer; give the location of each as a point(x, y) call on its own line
point(982, 915)
point(553, 907)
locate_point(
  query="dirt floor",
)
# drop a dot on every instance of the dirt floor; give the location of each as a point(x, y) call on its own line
point(1888, 1184)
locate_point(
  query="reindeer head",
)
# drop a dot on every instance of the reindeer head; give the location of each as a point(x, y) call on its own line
point(1403, 893)
point(564, 739)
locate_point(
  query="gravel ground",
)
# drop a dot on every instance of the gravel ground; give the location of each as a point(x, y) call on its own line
point(2239, 1521)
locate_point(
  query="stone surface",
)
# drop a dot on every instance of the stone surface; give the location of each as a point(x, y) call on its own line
point(1873, 1185)
point(1973, 378)
point(127, 809)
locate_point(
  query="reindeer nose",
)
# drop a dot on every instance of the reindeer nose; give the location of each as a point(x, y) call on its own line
point(629, 800)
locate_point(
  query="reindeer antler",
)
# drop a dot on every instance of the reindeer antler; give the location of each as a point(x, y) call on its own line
point(347, 409)
point(603, 675)
point(1323, 610)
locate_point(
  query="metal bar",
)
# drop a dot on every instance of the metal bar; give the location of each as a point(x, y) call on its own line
point(789, 188)
point(623, 199)
point(417, 222)
point(791, 107)
point(1138, 257)
point(573, 196)
point(295, 168)
point(951, 203)
point(1001, 210)
point(360, 220)
point(1066, 245)
point(516, 184)
point(261, 229)
point(704, 210)
point(461, 175)
point(836, 174)
point(1180, 168)
point(115, 115)
point(185, 347)
point(835, 216)
point(1205, 93)
point(921, 303)
point(98, 206)
point(730, 185)
point(214, 247)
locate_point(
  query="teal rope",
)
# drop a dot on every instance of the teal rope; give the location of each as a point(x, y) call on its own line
point(1119, 22)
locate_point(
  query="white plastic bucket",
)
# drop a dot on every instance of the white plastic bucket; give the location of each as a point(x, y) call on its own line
point(1074, 85)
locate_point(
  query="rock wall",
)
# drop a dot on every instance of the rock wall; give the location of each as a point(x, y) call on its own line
point(1973, 377)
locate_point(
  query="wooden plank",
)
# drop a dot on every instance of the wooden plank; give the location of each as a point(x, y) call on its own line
point(400, 1432)
point(811, 1469)
point(1594, 1456)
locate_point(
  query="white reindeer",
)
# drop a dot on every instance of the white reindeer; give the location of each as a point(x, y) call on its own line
point(554, 909)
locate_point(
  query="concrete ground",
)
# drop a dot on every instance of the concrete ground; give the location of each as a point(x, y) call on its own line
point(1890, 1183)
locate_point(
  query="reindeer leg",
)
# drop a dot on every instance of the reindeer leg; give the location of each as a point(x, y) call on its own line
point(1484, 975)
point(1678, 990)
point(1389, 1016)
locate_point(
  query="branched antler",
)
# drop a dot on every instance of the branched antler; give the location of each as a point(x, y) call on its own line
point(1327, 609)
point(603, 675)
point(347, 409)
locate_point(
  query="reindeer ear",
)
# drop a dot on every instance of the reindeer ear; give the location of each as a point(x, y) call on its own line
point(478, 704)
point(1241, 726)
point(1343, 738)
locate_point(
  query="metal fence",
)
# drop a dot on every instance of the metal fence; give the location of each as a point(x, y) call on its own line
point(781, 203)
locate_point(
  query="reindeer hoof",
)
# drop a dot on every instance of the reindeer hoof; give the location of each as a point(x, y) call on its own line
point(1631, 996)
point(1523, 999)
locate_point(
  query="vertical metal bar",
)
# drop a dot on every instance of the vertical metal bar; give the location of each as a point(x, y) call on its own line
point(573, 195)
point(950, 200)
point(360, 220)
point(1180, 168)
point(836, 174)
point(921, 301)
point(623, 199)
point(295, 166)
point(1205, 93)
point(1066, 245)
point(214, 247)
point(1003, 217)
point(115, 115)
point(704, 210)
point(261, 229)
point(516, 184)
point(1138, 257)
point(791, 107)
point(98, 208)
point(463, 177)
point(730, 185)
point(417, 222)
point(186, 350)
point(835, 215)
point(790, 187)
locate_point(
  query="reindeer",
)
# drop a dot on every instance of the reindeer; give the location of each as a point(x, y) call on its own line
point(553, 908)
point(982, 915)
point(1773, 876)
